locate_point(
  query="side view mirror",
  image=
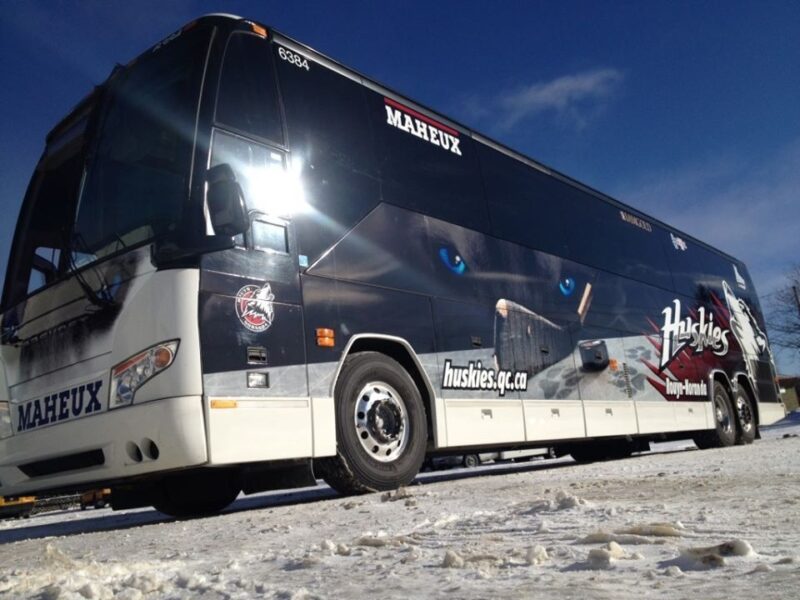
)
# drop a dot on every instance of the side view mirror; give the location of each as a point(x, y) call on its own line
point(225, 200)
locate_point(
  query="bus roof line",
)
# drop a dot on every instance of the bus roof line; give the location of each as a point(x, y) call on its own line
point(373, 85)
point(494, 144)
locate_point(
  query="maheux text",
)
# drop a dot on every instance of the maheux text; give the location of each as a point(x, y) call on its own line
point(422, 127)
point(60, 406)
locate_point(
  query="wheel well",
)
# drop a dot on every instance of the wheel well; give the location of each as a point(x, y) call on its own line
point(723, 379)
point(397, 351)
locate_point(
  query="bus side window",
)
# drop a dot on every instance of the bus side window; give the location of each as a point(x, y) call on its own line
point(269, 236)
point(248, 94)
point(44, 269)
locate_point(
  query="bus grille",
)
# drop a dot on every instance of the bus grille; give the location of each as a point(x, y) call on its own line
point(70, 462)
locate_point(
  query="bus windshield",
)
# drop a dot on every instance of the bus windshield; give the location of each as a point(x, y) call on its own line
point(138, 179)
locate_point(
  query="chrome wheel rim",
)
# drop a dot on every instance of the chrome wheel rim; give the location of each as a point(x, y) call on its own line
point(744, 413)
point(381, 421)
point(722, 414)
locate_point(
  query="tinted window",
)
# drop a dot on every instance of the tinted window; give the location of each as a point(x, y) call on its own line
point(626, 306)
point(46, 214)
point(535, 209)
point(260, 172)
point(617, 240)
point(695, 267)
point(248, 96)
point(526, 206)
point(269, 236)
point(331, 148)
point(427, 166)
point(140, 178)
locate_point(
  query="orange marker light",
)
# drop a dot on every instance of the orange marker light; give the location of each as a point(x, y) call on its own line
point(224, 403)
point(162, 357)
point(613, 365)
point(326, 337)
point(258, 30)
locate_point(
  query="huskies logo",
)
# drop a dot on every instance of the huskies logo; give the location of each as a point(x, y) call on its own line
point(682, 342)
point(254, 307)
point(748, 334)
point(697, 334)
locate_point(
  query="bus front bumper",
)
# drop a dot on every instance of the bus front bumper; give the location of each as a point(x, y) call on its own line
point(139, 440)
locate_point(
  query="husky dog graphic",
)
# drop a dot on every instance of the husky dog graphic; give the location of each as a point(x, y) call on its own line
point(745, 329)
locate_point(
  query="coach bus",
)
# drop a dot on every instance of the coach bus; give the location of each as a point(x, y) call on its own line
point(241, 265)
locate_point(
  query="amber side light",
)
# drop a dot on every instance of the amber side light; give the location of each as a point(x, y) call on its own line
point(257, 29)
point(219, 403)
point(326, 337)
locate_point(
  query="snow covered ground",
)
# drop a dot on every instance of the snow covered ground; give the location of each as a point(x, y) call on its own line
point(674, 523)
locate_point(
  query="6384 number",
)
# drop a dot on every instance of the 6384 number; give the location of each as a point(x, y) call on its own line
point(292, 58)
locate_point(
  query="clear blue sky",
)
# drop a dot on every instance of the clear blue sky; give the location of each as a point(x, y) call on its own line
point(689, 111)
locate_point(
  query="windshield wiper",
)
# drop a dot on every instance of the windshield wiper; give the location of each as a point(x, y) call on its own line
point(102, 297)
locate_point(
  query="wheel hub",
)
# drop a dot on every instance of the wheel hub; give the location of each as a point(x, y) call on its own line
point(744, 413)
point(722, 414)
point(381, 421)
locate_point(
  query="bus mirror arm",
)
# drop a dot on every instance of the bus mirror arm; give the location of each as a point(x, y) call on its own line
point(225, 200)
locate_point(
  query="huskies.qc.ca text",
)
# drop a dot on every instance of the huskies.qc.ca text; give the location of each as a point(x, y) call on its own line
point(475, 377)
point(60, 406)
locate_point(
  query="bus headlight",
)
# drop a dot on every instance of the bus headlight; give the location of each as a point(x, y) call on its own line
point(133, 373)
point(5, 420)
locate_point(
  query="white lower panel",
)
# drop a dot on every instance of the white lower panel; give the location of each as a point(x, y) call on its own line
point(324, 420)
point(610, 417)
point(552, 420)
point(656, 416)
point(690, 416)
point(770, 412)
point(440, 424)
point(176, 425)
point(477, 422)
point(663, 417)
point(260, 429)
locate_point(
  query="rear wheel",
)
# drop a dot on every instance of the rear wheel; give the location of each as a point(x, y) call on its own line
point(381, 428)
point(471, 461)
point(586, 453)
point(724, 432)
point(745, 417)
point(601, 450)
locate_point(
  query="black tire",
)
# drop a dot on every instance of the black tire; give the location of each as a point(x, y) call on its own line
point(599, 451)
point(197, 493)
point(745, 417)
point(394, 414)
point(724, 433)
point(471, 461)
point(586, 453)
point(617, 449)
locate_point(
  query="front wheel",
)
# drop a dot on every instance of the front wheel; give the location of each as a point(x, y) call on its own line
point(197, 493)
point(724, 432)
point(381, 427)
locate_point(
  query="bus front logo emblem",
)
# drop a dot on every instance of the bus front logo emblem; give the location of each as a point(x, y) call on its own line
point(254, 307)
